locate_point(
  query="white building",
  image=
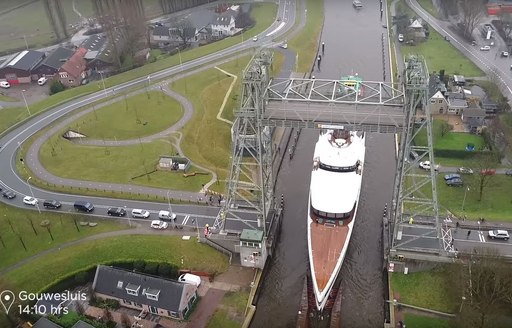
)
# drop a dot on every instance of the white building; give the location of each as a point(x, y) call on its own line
point(224, 24)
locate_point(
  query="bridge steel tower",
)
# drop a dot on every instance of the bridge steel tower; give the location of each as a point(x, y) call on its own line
point(415, 195)
point(251, 182)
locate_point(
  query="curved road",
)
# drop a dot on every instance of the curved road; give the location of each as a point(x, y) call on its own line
point(12, 140)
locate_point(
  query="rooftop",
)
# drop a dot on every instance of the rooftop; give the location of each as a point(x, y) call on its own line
point(25, 60)
point(251, 235)
point(45, 323)
point(57, 57)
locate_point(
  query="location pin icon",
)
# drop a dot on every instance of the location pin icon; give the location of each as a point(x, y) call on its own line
point(7, 299)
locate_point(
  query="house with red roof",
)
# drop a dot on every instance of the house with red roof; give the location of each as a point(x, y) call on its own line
point(74, 71)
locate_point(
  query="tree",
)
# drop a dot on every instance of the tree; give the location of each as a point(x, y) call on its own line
point(485, 162)
point(185, 31)
point(506, 24)
point(472, 12)
point(487, 289)
point(107, 315)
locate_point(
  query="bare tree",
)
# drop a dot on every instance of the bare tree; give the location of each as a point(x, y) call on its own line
point(472, 12)
point(506, 24)
point(125, 320)
point(485, 162)
point(185, 31)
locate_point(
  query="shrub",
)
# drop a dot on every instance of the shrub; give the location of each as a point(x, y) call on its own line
point(151, 268)
point(81, 277)
point(56, 87)
point(139, 265)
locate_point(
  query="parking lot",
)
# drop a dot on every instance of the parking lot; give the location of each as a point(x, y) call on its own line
point(33, 93)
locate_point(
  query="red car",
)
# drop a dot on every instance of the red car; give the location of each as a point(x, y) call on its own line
point(488, 172)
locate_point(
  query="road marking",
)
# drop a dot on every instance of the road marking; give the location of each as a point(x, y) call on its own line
point(185, 220)
point(481, 236)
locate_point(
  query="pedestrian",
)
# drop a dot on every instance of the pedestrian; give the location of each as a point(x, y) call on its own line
point(457, 225)
point(411, 220)
point(469, 233)
point(219, 200)
point(319, 56)
point(279, 149)
point(323, 47)
point(483, 220)
point(451, 242)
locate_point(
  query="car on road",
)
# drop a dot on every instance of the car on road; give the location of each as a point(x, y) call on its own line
point(9, 194)
point(42, 80)
point(116, 211)
point(50, 203)
point(83, 206)
point(166, 215)
point(485, 48)
point(400, 38)
point(357, 4)
point(451, 176)
point(30, 200)
point(255, 38)
point(504, 54)
point(284, 45)
point(140, 213)
point(508, 172)
point(456, 182)
point(498, 234)
point(160, 225)
point(488, 172)
point(5, 84)
point(464, 170)
point(426, 166)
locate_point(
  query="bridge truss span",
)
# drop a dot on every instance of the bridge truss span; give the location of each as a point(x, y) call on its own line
point(358, 105)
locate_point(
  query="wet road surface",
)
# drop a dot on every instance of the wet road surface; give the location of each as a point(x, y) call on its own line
point(353, 45)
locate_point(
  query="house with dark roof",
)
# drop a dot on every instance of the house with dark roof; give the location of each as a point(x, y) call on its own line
point(72, 73)
point(18, 68)
point(53, 62)
point(456, 102)
point(474, 119)
point(100, 54)
point(168, 298)
point(436, 90)
point(45, 323)
point(81, 324)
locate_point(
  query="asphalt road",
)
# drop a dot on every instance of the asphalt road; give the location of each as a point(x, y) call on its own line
point(10, 142)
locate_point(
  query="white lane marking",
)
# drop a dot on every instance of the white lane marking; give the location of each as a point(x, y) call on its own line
point(481, 236)
point(185, 220)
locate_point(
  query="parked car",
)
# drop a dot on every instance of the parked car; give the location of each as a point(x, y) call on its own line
point(5, 84)
point(166, 215)
point(400, 38)
point(49, 203)
point(30, 200)
point(116, 211)
point(488, 172)
point(456, 182)
point(504, 54)
point(508, 172)
point(426, 166)
point(357, 4)
point(485, 48)
point(255, 38)
point(160, 225)
point(464, 170)
point(42, 80)
point(139, 213)
point(498, 234)
point(189, 278)
point(9, 194)
point(451, 176)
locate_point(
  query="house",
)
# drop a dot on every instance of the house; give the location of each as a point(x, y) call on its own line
point(100, 54)
point(81, 324)
point(223, 24)
point(163, 297)
point(160, 35)
point(474, 119)
point(74, 71)
point(142, 56)
point(497, 7)
point(436, 90)
point(416, 31)
point(53, 62)
point(253, 249)
point(45, 323)
point(50, 305)
point(456, 102)
point(18, 67)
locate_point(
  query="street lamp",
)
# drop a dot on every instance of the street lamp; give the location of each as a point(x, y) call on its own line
point(103, 81)
point(25, 100)
point(464, 200)
point(32, 193)
point(181, 62)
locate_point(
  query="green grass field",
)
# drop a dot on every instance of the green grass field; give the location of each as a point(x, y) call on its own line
point(62, 228)
point(429, 7)
point(418, 321)
point(116, 164)
point(440, 54)
point(137, 116)
point(496, 199)
point(7, 98)
point(426, 289)
point(263, 13)
point(306, 43)
point(210, 145)
point(170, 249)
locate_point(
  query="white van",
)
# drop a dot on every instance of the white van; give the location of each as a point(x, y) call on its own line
point(138, 213)
point(166, 215)
point(189, 278)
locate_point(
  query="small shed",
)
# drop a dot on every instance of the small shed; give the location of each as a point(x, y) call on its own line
point(253, 248)
point(459, 80)
point(173, 163)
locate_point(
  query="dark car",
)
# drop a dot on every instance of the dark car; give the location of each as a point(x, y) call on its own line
point(508, 172)
point(451, 176)
point(116, 211)
point(456, 182)
point(9, 194)
point(50, 203)
point(83, 206)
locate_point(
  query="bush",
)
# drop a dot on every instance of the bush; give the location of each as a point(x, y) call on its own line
point(81, 277)
point(56, 87)
point(139, 265)
point(151, 268)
